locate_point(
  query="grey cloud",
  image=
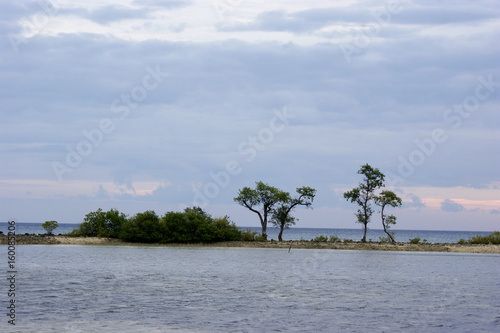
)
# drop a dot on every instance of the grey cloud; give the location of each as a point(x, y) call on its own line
point(451, 206)
point(495, 211)
point(415, 202)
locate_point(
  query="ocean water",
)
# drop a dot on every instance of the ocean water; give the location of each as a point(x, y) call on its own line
point(432, 236)
point(70, 288)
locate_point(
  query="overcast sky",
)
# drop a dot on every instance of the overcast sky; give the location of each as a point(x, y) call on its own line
point(164, 104)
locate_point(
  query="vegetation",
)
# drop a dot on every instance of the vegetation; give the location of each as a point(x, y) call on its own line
point(387, 198)
point(267, 201)
point(334, 239)
point(192, 225)
point(320, 238)
point(249, 235)
point(364, 194)
point(49, 226)
point(493, 238)
point(281, 216)
point(261, 201)
point(101, 224)
point(415, 240)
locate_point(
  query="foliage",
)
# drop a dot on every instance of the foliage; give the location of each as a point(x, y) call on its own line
point(348, 241)
point(388, 198)
point(334, 239)
point(142, 227)
point(415, 240)
point(191, 226)
point(249, 235)
point(49, 226)
point(320, 238)
point(493, 238)
point(386, 239)
point(261, 201)
point(101, 224)
point(364, 194)
point(226, 230)
point(281, 216)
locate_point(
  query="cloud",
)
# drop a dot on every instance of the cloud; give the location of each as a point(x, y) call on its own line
point(416, 202)
point(495, 211)
point(451, 206)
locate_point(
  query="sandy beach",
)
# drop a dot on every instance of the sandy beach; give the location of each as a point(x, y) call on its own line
point(64, 240)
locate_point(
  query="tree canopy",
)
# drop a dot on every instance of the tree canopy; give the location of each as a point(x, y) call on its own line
point(362, 195)
point(261, 201)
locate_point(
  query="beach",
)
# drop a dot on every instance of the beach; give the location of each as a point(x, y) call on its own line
point(289, 245)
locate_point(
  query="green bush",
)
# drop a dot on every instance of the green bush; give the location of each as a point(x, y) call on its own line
point(493, 238)
point(142, 227)
point(334, 239)
point(100, 224)
point(415, 240)
point(320, 238)
point(249, 235)
point(348, 240)
point(49, 226)
point(462, 241)
point(226, 230)
point(385, 239)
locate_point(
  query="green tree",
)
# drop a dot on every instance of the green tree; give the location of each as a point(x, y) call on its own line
point(388, 198)
point(364, 194)
point(101, 224)
point(281, 215)
point(261, 201)
point(143, 227)
point(49, 226)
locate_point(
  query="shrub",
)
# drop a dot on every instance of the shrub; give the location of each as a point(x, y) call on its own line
point(249, 235)
point(348, 240)
point(320, 238)
point(415, 240)
point(334, 239)
point(142, 227)
point(385, 239)
point(100, 224)
point(462, 241)
point(49, 226)
point(493, 238)
point(225, 229)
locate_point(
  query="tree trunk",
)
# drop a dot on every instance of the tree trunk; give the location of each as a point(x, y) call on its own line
point(280, 234)
point(383, 224)
point(264, 232)
point(364, 234)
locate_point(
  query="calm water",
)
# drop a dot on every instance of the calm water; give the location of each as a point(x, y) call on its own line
point(153, 289)
point(301, 233)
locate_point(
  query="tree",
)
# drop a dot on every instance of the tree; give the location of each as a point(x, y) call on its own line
point(281, 215)
point(261, 201)
point(49, 226)
point(364, 193)
point(142, 227)
point(102, 224)
point(388, 198)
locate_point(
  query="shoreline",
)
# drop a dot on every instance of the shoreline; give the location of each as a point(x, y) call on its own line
point(296, 244)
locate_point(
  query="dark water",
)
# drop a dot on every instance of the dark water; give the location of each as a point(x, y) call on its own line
point(432, 236)
point(156, 289)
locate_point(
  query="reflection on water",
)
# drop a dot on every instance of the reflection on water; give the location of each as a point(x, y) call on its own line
point(148, 289)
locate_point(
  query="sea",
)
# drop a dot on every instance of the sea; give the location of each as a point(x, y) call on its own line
point(355, 234)
point(77, 288)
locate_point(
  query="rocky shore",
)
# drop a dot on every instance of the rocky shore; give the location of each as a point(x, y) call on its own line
point(64, 240)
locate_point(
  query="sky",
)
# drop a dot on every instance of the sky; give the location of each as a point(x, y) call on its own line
point(167, 104)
